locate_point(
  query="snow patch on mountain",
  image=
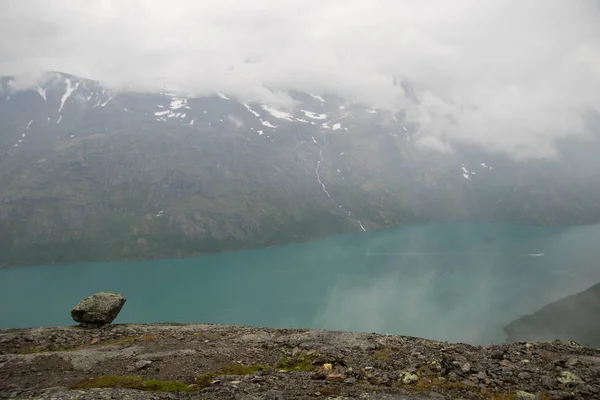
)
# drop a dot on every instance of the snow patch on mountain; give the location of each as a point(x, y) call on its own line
point(313, 115)
point(257, 115)
point(69, 90)
point(268, 124)
point(314, 96)
point(278, 113)
point(41, 91)
point(177, 103)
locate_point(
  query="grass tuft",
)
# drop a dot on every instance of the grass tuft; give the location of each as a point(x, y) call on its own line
point(299, 362)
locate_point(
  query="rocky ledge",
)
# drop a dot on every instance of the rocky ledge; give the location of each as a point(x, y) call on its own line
point(172, 361)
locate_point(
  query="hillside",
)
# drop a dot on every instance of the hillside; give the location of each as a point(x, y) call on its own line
point(173, 361)
point(92, 174)
point(576, 317)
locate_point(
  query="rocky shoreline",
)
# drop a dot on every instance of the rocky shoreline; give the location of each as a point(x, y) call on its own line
point(175, 361)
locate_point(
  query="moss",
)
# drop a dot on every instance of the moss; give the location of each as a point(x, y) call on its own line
point(205, 380)
point(133, 382)
point(240, 369)
point(28, 350)
point(383, 355)
point(299, 362)
point(443, 386)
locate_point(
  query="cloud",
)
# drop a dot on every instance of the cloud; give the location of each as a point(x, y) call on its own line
point(512, 76)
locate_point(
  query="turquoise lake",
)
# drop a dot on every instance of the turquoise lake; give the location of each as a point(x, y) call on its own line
point(455, 282)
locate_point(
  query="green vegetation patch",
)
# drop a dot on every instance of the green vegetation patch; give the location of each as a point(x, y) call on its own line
point(133, 382)
point(299, 362)
point(383, 355)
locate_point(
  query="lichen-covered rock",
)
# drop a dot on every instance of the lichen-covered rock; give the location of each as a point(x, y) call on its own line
point(98, 309)
point(567, 377)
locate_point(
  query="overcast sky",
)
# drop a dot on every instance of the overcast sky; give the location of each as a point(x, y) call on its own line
point(512, 75)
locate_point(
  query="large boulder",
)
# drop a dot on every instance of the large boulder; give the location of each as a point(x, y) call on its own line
point(98, 309)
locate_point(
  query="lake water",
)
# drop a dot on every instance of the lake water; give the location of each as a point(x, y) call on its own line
point(456, 282)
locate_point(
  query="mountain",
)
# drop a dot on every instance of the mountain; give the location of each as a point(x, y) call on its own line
point(87, 173)
point(575, 318)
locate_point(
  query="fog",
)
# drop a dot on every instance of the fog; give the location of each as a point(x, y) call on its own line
point(511, 76)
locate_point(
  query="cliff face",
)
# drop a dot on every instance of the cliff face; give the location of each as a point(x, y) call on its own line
point(224, 362)
point(575, 317)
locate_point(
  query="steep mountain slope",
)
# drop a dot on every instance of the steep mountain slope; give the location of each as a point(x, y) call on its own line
point(575, 317)
point(91, 174)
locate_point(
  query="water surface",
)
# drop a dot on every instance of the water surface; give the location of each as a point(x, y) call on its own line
point(456, 282)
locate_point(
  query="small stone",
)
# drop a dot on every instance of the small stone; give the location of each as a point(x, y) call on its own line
point(350, 381)
point(327, 367)
point(335, 378)
point(546, 381)
point(481, 375)
point(466, 367)
point(142, 364)
point(525, 361)
point(193, 386)
point(524, 375)
point(522, 395)
point(468, 383)
point(505, 363)
point(497, 355)
point(571, 362)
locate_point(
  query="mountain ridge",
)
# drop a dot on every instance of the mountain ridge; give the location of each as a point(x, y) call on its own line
point(89, 174)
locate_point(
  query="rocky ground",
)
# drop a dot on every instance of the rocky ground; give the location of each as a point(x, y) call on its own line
point(169, 361)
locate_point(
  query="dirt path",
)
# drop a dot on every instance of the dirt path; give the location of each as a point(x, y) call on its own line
point(225, 362)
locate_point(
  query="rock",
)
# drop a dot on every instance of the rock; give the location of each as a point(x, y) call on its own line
point(335, 378)
point(98, 309)
point(567, 378)
point(142, 364)
point(547, 382)
point(524, 375)
point(408, 377)
point(521, 395)
point(468, 383)
point(327, 367)
point(350, 381)
point(466, 367)
point(497, 355)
